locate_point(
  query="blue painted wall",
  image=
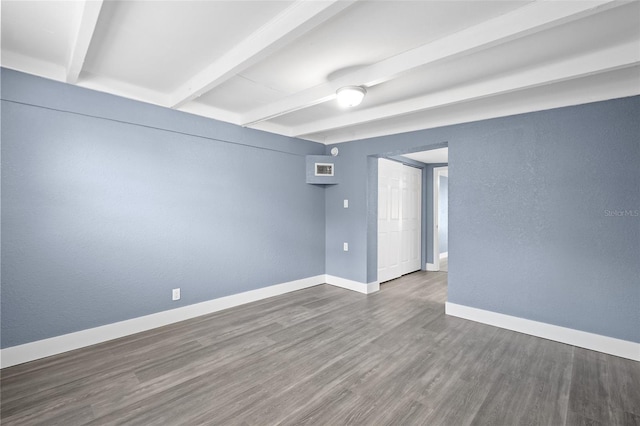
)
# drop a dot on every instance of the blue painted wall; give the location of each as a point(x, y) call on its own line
point(108, 204)
point(530, 235)
point(443, 214)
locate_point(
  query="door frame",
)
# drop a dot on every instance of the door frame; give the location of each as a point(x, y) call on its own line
point(437, 172)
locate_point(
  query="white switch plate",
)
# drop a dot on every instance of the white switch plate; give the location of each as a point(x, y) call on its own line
point(346, 204)
point(175, 294)
point(345, 246)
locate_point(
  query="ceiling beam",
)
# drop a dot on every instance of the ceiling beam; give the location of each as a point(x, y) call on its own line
point(296, 20)
point(621, 56)
point(601, 87)
point(529, 19)
point(87, 20)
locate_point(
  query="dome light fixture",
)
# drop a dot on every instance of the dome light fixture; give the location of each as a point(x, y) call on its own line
point(350, 96)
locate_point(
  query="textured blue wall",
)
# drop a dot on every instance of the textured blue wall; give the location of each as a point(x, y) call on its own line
point(532, 205)
point(529, 232)
point(443, 214)
point(108, 204)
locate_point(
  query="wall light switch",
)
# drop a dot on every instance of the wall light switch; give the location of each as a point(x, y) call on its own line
point(345, 246)
point(346, 204)
point(175, 294)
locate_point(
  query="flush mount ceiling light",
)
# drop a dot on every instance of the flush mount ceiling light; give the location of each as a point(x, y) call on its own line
point(350, 96)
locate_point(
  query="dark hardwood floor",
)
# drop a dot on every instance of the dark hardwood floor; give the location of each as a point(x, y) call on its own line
point(327, 356)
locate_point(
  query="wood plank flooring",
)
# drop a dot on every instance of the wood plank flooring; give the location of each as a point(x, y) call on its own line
point(327, 356)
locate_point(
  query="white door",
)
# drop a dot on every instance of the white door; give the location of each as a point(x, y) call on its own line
point(411, 219)
point(399, 217)
point(389, 219)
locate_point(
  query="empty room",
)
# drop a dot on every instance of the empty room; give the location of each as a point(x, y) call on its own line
point(327, 212)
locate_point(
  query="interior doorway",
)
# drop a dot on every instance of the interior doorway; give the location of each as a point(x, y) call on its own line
point(382, 265)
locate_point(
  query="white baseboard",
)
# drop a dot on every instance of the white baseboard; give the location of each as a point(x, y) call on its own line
point(595, 342)
point(367, 288)
point(432, 267)
point(67, 342)
point(80, 339)
point(444, 255)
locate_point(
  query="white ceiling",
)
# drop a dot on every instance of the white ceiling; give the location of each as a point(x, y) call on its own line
point(275, 65)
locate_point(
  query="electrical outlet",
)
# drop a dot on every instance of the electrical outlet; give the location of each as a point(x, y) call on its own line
point(346, 204)
point(345, 246)
point(175, 294)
